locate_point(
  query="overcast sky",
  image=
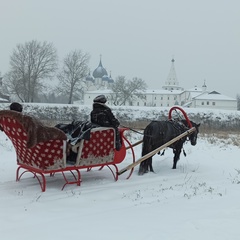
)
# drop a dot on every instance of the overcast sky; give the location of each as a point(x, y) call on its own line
point(136, 38)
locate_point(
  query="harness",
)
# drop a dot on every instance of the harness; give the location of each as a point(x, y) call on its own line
point(177, 124)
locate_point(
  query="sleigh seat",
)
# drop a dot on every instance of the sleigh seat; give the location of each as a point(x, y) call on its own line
point(99, 150)
point(39, 149)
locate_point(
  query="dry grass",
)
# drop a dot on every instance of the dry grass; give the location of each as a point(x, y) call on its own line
point(225, 137)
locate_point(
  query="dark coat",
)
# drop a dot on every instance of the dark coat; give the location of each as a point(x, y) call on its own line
point(103, 116)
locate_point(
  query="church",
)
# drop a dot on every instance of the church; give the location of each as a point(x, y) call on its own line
point(99, 79)
point(169, 95)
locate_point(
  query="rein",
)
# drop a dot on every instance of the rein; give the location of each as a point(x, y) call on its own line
point(174, 125)
point(132, 129)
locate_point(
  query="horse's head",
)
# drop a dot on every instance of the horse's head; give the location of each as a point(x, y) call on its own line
point(193, 136)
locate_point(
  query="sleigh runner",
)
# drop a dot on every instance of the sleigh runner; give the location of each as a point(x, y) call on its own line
point(41, 150)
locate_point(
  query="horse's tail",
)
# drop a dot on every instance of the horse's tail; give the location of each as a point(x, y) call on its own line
point(147, 139)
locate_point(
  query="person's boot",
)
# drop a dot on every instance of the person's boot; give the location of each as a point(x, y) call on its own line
point(118, 146)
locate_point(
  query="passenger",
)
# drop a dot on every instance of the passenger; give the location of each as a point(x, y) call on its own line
point(103, 116)
point(15, 106)
point(71, 157)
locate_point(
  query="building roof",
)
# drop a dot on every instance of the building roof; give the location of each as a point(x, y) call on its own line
point(172, 82)
point(163, 91)
point(195, 89)
point(214, 96)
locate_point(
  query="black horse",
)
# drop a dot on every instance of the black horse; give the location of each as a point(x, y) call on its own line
point(157, 133)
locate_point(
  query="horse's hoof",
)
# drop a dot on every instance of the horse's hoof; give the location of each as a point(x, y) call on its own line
point(142, 171)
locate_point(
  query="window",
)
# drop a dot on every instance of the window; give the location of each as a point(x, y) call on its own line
point(137, 103)
point(207, 103)
point(145, 104)
point(202, 103)
point(213, 103)
point(161, 98)
point(168, 98)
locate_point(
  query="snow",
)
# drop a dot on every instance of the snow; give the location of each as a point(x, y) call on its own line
point(214, 96)
point(198, 200)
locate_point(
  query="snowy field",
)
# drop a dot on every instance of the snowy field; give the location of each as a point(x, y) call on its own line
point(198, 200)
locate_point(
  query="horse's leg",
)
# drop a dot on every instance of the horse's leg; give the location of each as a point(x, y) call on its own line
point(146, 148)
point(150, 164)
point(177, 153)
point(143, 167)
point(162, 152)
point(149, 144)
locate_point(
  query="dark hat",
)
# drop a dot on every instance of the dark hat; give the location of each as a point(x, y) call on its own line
point(15, 106)
point(100, 99)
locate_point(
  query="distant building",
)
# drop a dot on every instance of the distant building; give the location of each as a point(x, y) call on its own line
point(214, 100)
point(4, 98)
point(171, 93)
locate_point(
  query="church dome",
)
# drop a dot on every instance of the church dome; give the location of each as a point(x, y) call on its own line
point(100, 71)
point(110, 79)
point(105, 78)
point(89, 78)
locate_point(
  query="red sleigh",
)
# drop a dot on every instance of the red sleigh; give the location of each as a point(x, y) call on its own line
point(41, 150)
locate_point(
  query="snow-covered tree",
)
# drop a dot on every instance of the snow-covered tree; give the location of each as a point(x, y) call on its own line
point(31, 64)
point(72, 75)
point(127, 90)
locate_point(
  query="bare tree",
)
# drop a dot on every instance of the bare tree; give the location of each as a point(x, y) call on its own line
point(30, 64)
point(127, 90)
point(72, 76)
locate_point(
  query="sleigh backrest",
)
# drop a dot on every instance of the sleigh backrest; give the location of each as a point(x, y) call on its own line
point(99, 149)
point(47, 155)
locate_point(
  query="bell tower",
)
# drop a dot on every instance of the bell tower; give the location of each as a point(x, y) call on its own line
point(172, 83)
